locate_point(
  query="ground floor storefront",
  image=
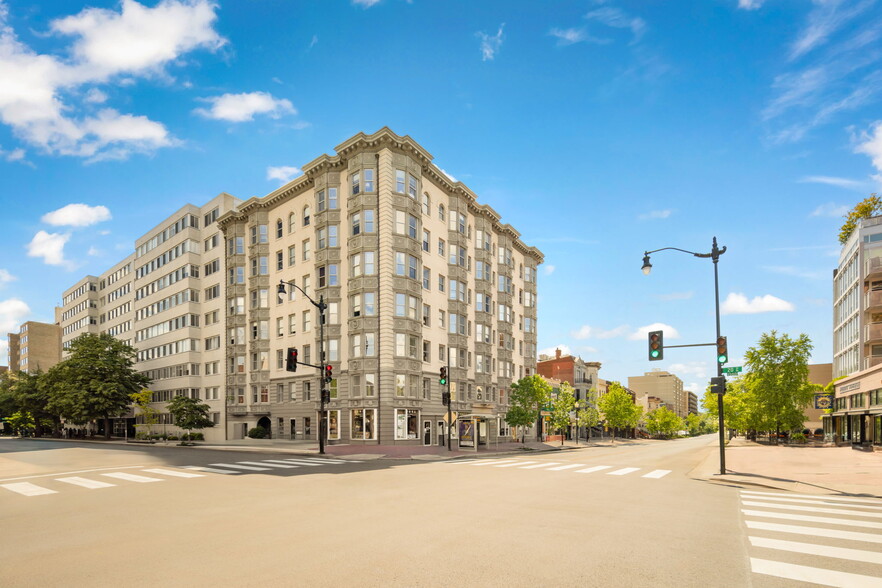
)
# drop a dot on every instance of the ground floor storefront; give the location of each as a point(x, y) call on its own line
point(856, 415)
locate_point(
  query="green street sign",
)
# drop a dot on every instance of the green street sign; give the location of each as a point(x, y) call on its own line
point(732, 370)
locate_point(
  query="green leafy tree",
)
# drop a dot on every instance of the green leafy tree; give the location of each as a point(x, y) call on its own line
point(866, 208)
point(189, 414)
point(149, 415)
point(561, 409)
point(32, 396)
point(618, 408)
point(97, 380)
point(7, 400)
point(21, 422)
point(587, 414)
point(778, 378)
point(663, 422)
point(528, 396)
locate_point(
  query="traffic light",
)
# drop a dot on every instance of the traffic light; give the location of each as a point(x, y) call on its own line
point(445, 398)
point(718, 385)
point(326, 396)
point(291, 361)
point(722, 350)
point(656, 345)
point(329, 373)
point(443, 379)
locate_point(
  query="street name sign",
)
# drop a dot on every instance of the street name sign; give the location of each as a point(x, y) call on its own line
point(732, 370)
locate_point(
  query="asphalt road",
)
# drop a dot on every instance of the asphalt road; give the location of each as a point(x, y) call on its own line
point(629, 515)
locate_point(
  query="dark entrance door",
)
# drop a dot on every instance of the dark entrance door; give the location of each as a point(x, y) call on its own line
point(266, 424)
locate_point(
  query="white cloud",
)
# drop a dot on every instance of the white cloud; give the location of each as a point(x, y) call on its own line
point(549, 269)
point(642, 333)
point(568, 36)
point(750, 4)
point(830, 209)
point(94, 251)
point(15, 155)
point(834, 181)
point(871, 145)
point(654, 214)
point(12, 313)
point(737, 303)
point(313, 41)
point(589, 332)
point(6, 277)
point(449, 175)
point(133, 41)
point(49, 246)
point(823, 21)
point(76, 215)
point(490, 44)
point(283, 173)
point(243, 107)
point(619, 19)
point(365, 3)
point(550, 351)
point(696, 369)
point(96, 96)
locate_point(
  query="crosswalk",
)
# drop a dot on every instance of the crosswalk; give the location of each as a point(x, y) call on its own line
point(822, 540)
point(95, 480)
point(556, 466)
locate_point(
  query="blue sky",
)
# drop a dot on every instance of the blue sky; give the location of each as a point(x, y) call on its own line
point(598, 129)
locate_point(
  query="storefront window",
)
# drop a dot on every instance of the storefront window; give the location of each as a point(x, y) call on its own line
point(406, 423)
point(363, 420)
point(333, 420)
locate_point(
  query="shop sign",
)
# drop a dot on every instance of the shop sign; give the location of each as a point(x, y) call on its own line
point(823, 401)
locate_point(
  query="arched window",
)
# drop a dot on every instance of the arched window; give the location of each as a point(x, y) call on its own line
point(426, 204)
point(441, 211)
point(306, 216)
point(292, 222)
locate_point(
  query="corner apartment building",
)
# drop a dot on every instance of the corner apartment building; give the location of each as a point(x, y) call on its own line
point(36, 346)
point(581, 375)
point(416, 275)
point(663, 385)
point(857, 301)
point(166, 300)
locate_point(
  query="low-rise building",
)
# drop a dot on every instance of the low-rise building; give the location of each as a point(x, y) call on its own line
point(36, 347)
point(663, 385)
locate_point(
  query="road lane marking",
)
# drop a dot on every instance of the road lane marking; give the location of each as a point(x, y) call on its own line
point(280, 461)
point(567, 467)
point(872, 557)
point(540, 465)
point(210, 470)
point(132, 477)
point(177, 474)
point(326, 460)
point(28, 489)
point(236, 466)
point(804, 501)
point(656, 474)
point(266, 464)
point(840, 511)
point(85, 482)
point(511, 465)
point(813, 575)
point(491, 462)
point(815, 496)
point(810, 519)
point(592, 470)
point(815, 531)
point(302, 462)
point(622, 472)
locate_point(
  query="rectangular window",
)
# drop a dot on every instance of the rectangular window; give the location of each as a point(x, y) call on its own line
point(356, 183)
point(399, 181)
point(306, 249)
point(427, 237)
point(292, 255)
point(363, 423)
point(368, 180)
point(280, 261)
point(406, 419)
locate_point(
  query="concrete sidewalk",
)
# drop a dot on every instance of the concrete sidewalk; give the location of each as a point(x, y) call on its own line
point(803, 469)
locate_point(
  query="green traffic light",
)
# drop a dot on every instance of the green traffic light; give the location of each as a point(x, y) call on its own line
point(722, 359)
point(442, 382)
point(654, 353)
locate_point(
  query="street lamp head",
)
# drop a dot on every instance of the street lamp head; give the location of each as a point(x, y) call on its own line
point(281, 291)
point(647, 267)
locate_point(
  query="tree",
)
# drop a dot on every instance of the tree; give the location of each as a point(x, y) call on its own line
point(663, 421)
point(189, 414)
point(587, 414)
point(618, 408)
point(528, 396)
point(149, 414)
point(31, 396)
point(21, 422)
point(778, 378)
point(97, 380)
point(866, 208)
point(562, 407)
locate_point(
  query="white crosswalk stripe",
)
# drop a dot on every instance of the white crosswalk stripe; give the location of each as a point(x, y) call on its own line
point(211, 470)
point(237, 466)
point(85, 483)
point(27, 489)
point(513, 464)
point(656, 474)
point(267, 463)
point(775, 548)
point(556, 466)
point(132, 477)
point(622, 472)
point(539, 465)
point(302, 462)
point(174, 473)
point(566, 467)
point(593, 469)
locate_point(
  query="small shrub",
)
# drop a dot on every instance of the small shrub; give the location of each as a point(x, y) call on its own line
point(797, 438)
point(197, 437)
point(257, 433)
point(172, 437)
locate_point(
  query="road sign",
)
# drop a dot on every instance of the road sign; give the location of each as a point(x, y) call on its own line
point(732, 370)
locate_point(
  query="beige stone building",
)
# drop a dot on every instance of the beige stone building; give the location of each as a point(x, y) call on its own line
point(663, 385)
point(166, 300)
point(36, 347)
point(416, 275)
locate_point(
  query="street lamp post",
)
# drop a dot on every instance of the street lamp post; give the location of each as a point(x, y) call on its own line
point(324, 395)
point(714, 255)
